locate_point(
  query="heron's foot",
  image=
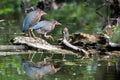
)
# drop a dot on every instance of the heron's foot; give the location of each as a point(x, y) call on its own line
point(47, 59)
point(63, 58)
point(35, 38)
point(50, 37)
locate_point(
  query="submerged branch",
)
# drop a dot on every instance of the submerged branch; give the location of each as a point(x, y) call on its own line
point(15, 53)
point(12, 47)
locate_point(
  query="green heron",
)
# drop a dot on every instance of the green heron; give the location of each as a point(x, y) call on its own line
point(36, 71)
point(31, 19)
point(43, 27)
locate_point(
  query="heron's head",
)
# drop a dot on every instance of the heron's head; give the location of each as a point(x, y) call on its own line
point(41, 12)
point(56, 22)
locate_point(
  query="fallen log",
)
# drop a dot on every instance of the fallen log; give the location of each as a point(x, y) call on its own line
point(41, 44)
point(31, 42)
point(72, 45)
point(22, 43)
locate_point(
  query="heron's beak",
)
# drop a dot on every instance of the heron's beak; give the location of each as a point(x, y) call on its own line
point(58, 23)
point(44, 13)
point(57, 69)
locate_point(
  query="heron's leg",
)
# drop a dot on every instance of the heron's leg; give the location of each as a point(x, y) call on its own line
point(45, 61)
point(48, 36)
point(32, 34)
point(51, 56)
point(29, 56)
point(41, 56)
point(32, 57)
point(29, 34)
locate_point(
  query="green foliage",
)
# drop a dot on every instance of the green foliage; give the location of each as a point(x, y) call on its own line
point(9, 6)
point(116, 35)
point(10, 9)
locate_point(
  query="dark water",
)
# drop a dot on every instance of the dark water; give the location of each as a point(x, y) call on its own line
point(71, 69)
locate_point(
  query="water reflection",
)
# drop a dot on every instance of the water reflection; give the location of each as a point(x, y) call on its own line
point(75, 69)
point(107, 69)
point(39, 69)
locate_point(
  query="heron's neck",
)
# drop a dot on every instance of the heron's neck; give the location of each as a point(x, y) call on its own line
point(52, 25)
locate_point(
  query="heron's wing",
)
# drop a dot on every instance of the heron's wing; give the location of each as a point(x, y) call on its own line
point(42, 70)
point(42, 25)
point(29, 20)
